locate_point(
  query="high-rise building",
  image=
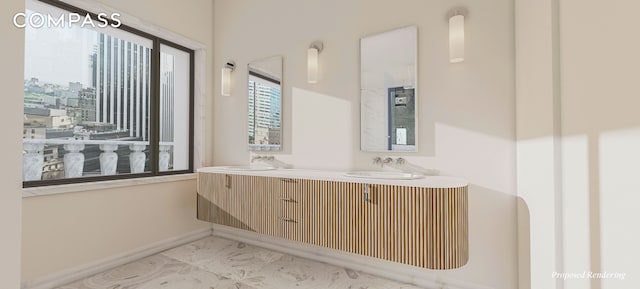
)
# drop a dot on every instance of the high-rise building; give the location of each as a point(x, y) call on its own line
point(87, 105)
point(82, 108)
point(167, 97)
point(121, 78)
point(264, 109)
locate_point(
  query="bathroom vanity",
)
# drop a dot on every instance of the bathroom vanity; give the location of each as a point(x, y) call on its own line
point(420, 222)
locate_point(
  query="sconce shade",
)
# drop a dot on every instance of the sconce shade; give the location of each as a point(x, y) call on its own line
point(226, 81)
point(456, 39)
point(225, 87)
point(312, 65)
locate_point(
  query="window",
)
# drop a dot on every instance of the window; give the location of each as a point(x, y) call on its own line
point(102, 103)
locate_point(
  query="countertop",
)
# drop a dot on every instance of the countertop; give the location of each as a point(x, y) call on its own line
point(425, 182)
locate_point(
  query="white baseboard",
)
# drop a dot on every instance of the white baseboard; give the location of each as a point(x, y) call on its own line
point(86, 270)
point(391, 270)
point(386, 269)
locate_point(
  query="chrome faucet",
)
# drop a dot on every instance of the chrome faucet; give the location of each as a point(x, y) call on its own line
point(382, 162)
point(400, 161)
point(378, 161)
point(256, 158)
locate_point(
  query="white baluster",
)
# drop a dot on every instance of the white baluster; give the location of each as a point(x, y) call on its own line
point(137, 158)
point(108, 159)
point(163, 158)
point(73, 160)
point(32, 161)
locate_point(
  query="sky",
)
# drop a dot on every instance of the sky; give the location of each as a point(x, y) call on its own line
point(59, 55)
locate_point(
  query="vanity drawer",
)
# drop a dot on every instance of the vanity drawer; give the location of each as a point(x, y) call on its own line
point(289, 224)
point(287, 199)
point(276, 211)
point(281, 220)
point(288, 210)
point(289, 188)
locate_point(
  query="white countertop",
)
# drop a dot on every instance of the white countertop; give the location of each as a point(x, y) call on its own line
point(426, 182)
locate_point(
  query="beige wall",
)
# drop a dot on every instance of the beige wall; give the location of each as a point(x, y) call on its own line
point(601, 139)
point(11, 83)
point(577, 87)
point(538, 120)
point(68, 230)
point(466, 110)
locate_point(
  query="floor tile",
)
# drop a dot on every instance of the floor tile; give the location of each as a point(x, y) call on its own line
point(296, 272)
point(156, 271)
point(218, 263)
point(234, 260)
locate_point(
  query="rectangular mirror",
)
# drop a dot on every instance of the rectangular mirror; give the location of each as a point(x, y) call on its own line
point(388, 90)
point(265, 103)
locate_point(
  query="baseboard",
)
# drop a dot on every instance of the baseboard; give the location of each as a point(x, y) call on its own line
point(86, 270)
point(390, 270)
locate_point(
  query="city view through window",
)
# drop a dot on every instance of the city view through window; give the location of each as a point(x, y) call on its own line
point(87, 104)
point(264, 112)
point(265, 104)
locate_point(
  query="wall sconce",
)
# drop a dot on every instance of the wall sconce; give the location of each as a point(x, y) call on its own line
point(226, 78)
point(456, 38)
point(312, 61)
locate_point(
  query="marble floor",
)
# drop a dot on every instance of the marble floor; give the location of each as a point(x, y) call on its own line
point(218, 263)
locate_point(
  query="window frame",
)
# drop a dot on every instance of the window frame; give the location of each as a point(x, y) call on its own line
point(154, 106)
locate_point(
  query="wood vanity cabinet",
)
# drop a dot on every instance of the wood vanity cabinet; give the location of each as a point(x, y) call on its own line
point(226, 200)
point(263, 205)
point(276, 207)
point(210, 187)
point(424, 227)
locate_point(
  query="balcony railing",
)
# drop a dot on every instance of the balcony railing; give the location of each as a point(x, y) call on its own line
point(33, 157)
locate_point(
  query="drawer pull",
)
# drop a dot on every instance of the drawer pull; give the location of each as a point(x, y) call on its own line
point(285, 219)
point(365, 196)
point(227, 179)
point(289, 180)
point(285, 199)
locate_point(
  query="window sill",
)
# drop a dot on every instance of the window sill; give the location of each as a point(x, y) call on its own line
point(82, 187)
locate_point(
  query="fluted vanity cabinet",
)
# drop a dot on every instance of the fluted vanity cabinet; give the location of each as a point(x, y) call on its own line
point(276, 207)
point(228, 202)
point(264, 205)
point(420, 226)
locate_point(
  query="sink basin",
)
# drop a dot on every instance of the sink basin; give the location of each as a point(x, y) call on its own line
point(384, 175)
point(248, 168)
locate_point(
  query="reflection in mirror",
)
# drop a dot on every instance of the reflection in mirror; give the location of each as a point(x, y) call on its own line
point(388, 91)
point(265, 102)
